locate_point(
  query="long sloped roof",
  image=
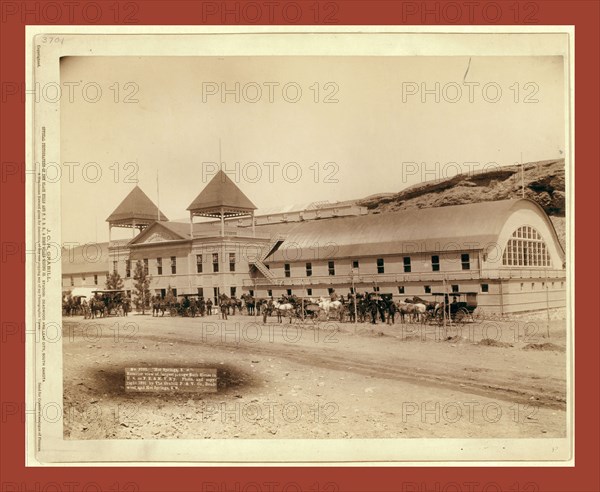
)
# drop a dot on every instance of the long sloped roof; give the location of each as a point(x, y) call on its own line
point(452, 228)
point(221, 191)
point(136, 205)
point(88, 258)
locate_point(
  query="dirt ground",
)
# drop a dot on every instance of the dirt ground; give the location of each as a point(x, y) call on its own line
point(496, 379)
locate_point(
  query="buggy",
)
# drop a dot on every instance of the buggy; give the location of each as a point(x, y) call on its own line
point(458, 306)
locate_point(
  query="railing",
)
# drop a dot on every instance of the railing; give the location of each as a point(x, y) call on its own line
point(276, 238)
point(243, 232)
point(361, 279)
point(269, 276)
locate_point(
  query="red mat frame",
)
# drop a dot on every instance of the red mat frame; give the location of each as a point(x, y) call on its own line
point(583, 477)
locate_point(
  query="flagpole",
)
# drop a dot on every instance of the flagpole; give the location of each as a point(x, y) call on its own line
point(157, 198)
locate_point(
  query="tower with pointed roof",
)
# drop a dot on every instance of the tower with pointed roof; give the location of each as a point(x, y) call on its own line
point(221, 199)
point(136, 211)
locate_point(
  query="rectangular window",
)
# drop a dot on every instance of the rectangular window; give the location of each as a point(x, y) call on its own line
point(232, 291)
point(127, 268)
point(72, 282)
point(454, 288)
point(145, 261)
point(128, 292)
point(331, 267)
point(406, 261)
point(380, 265)
point(286, 270)
point(174, 293)
point(95, 279)
point(309, 292)
point(115, 264)
point(198, 263)
point(173, 265)
point(215, 295)
point(163, 293)
point(215, 258)
point(309, 269)
point(355, 264)
point(200, 291)
point(352, 290)
point(376, 288)
point(159, 266)
point(401, 289)
point(485, 288)
point(289, 292)
point(269, 293)
point(435, 263)
point(427, 289)
point(232, 262)
point(465, 261)
point(251, 292)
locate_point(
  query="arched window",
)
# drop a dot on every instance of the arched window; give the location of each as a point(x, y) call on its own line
point(526, 248)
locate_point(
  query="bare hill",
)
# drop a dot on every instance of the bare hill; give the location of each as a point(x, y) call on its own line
point(544, 183)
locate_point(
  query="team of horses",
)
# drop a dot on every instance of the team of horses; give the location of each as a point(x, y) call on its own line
point(369, 307)
point(366, 307)
point(98, 306)
point(192, 306)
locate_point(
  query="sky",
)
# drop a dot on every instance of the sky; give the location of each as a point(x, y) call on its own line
point(354, 129)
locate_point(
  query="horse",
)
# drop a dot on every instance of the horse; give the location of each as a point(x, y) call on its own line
point(96, 308)
point(157, 305)
point(284, 309)
point(233, 304)
point(414, 311)
point(250, 303)
point(327, 305)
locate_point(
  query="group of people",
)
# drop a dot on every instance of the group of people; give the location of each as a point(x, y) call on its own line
point(97, 306)
point(370, 307)
point(192, 306)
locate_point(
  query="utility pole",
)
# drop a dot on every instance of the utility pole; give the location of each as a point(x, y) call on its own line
point(522, 178)
point(157, 199)
point(255, 299)
point(354, 295)
point(547, 304)
point(446, 302)
point(302, 300)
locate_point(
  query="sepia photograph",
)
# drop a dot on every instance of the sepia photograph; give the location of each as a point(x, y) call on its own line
point(359, 247)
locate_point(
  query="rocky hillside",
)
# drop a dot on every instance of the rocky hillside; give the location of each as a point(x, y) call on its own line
point(544, 183)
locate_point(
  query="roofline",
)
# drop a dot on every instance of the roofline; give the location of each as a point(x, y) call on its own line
point(144, 233)
point(550, 223)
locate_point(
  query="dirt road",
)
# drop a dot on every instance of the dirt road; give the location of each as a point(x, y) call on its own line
point(493, 379)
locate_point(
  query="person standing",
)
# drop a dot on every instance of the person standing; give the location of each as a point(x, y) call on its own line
point(392, 309)
point(373, 310)
point(224, 308)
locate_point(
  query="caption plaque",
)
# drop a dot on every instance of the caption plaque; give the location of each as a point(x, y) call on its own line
point(170, 380)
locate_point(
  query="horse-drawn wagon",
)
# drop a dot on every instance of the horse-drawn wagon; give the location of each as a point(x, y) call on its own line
point(110, 301)
point(459, 310)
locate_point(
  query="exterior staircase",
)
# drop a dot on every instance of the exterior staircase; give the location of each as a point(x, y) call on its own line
point(274, 243)
point(272, 246)
point(261, 267)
